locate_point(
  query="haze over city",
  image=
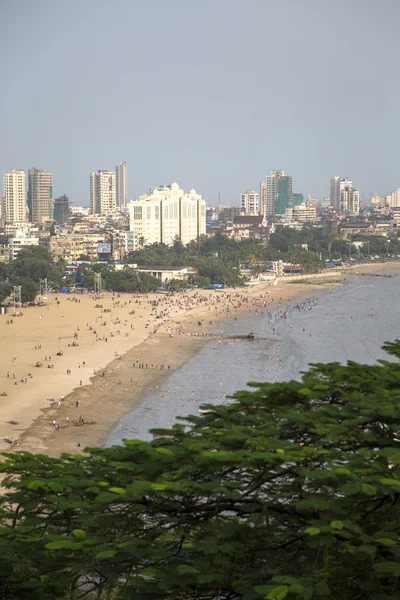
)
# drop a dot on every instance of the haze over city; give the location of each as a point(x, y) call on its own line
point(212, 93)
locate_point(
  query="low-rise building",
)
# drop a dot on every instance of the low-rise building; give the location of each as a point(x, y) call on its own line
point(72, 246)
point(20, 241)
point(304, 214)
point(248, 227)
point(165, 274)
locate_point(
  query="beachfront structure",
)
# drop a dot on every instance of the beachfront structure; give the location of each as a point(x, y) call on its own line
point(250, 202)
point(102, 193)
point(121, 185)
point(15, 196)
point(19, 241)
point(61, 209)
point(40, 195)
point(165, 274)
point(268, 192)
point(167, 213)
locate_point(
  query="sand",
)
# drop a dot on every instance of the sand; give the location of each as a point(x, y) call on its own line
point(102, 378)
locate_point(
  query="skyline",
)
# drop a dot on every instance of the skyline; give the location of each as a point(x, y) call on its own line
point(208, 95)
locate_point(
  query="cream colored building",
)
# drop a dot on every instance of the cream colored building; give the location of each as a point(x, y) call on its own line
point(15, 196)
point(71, 247)
point(250, 202)
point(103, 193)
point(304, 214)
point(168, 213)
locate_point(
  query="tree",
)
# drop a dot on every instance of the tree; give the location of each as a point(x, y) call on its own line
point(289, 491)
point(29, 289)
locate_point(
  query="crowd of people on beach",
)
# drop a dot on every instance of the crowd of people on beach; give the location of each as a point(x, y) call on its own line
point(162, 315)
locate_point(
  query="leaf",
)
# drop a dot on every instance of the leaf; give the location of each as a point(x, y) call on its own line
point(119, 491)
point(280, 451)
point(313, 531)
point(106, 554)
point(336, 525)
point(79, 534)
point(63, 544)
point(186, 569)
point(386, 542)
point(322, 589)
point(164, 451)
point(369, 490)
point(158, 487)
point(278, 593)
point(367, 549)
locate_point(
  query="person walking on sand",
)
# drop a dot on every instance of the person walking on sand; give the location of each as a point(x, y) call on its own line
point(44, 437)
point(67, 419)
point(77, 403)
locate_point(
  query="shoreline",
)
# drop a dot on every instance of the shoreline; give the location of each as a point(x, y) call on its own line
point(104, 400)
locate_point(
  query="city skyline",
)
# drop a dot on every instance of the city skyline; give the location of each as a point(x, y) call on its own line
point(174, 113)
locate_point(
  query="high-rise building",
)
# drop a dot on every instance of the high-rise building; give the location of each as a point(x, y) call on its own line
point(250, 202)
point(349, 200)
point(61, 209)
point(167, 214)
point(268, 191)
point(15, 196)
point(335, 192)
point(102, 193)
point(121, 184)
point(40, 195)
point(395, 199)
point(284, 194)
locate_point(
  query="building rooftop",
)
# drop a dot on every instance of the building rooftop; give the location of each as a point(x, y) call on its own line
point(248, 220)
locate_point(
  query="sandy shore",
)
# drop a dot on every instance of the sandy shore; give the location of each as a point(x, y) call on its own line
point(98, 372)
point(102, 378)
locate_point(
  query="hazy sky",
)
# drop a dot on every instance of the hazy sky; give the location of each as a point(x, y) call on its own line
point(214, 93)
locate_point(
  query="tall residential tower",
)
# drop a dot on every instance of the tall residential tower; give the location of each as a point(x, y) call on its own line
point(268, 192)
point(40, 195)
point(15, 196)
point(121, 185)
point(102, 193)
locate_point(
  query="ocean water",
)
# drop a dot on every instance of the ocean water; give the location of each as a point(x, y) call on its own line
point(348, 322)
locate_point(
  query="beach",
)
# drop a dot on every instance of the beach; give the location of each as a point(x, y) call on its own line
point(74, 399)
point(115, 350)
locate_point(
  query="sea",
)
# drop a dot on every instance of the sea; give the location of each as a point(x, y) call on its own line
point(349, 322)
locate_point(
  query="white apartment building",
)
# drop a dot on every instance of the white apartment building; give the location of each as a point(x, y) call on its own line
point(268, 191)
point(395, 199)
point(168, 213)
point(15, 196)
point(130, 240)
point(40, 195)
point(102, 193)
point(20, 241)
point(250, 202)
point(121, 184)
point(335, 192)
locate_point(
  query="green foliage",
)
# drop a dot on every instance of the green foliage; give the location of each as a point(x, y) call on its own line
point(289, 491)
